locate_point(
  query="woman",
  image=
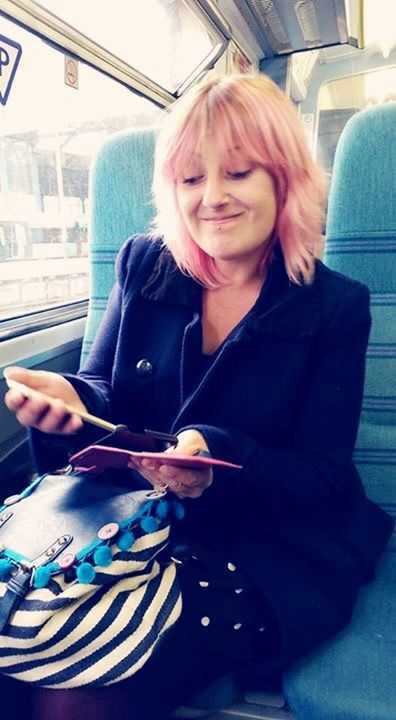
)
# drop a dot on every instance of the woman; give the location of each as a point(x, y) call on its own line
point(225, 330)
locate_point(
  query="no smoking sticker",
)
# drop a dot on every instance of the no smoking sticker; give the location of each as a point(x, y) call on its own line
point(10, 55)
point(71, 72)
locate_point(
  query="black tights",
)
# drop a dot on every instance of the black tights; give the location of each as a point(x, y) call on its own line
point(177, 670)
point(219, 631)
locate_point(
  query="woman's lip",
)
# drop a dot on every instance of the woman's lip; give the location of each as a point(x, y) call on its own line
point(220, 220)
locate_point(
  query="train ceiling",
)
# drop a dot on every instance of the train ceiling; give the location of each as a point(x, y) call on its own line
point(284, 26)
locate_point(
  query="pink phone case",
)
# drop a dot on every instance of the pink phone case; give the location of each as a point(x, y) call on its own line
point(97, 458)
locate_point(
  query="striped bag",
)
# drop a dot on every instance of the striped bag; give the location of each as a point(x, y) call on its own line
point(86, 587)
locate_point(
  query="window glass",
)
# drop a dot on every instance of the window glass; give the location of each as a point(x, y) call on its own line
point(163, 39)
point(339, 99)
point(332, 84)
point(49, 133)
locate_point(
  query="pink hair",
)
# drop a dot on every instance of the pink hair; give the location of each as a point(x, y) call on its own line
point(247, 111)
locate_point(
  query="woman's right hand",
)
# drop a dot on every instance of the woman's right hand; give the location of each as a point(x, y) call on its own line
point(50, 414)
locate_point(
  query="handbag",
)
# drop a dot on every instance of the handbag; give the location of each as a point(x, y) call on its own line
point(87, 589)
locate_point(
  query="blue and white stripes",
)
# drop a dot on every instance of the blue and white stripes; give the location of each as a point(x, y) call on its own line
point(70, 634)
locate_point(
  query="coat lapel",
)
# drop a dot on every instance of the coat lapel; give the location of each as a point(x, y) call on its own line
point(283, 308)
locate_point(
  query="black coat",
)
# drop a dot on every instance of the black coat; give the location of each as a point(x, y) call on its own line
point(282, 397)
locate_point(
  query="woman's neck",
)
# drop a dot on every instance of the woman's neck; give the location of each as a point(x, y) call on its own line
point(242, 275)
point(224, 307)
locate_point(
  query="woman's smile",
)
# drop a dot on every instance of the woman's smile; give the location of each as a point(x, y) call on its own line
point(227, 192)
point(222, 219)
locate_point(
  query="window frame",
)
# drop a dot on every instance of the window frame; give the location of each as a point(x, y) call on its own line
point(32, 17)
point(13, 327)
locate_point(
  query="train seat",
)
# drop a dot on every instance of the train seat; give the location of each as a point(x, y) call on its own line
point(353, 676)
point(119, 206)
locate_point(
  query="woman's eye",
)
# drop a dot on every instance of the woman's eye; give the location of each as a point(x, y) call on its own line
point(239, 174)
point(192, 180)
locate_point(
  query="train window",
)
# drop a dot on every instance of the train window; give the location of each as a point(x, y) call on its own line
point(166, 50)
point(49, 133)
point(339, 99)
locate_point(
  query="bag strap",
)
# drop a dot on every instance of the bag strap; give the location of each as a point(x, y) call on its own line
point(17, 587)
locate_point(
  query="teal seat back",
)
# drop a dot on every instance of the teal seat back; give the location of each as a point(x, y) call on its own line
point(120, 206)
point(352, 677)
point(361, 242)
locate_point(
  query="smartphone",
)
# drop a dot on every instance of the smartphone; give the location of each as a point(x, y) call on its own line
point(97, 458)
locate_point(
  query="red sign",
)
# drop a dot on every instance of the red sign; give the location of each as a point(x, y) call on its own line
point(71, 72)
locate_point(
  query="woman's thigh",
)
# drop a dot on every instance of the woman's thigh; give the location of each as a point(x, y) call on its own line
point(16, 699)
point(178, 669)
point(218, 632)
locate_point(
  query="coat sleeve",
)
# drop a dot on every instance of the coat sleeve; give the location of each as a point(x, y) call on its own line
point(93, 381)
point(316, 468)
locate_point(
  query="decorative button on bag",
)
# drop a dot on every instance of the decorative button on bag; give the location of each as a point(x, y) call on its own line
point(86, 589)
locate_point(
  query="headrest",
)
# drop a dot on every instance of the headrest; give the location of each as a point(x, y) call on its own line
point(120, 189)
point(361, 223)
point(362, 200)
point(120, 206)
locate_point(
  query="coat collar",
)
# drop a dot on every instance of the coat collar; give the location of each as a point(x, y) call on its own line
point(169, 285)
point(282, 308)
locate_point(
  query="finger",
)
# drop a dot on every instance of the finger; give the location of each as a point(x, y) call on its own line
point(14, 400)
point(133, 464)
point(169, 471)
point(31, 411)
point(58, 424)
point(147, 468)
point(35, 379)
point(43, 384)
point(189, 478)
point(194, 492)
point(148, 464)
point(58, 420)
point(49, 418)
point(179, 474)
point(184, 493)
point(152, 476)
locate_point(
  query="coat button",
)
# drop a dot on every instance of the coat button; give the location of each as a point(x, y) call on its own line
point(144, 367)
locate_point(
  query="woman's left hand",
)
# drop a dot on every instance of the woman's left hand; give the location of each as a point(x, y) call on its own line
point(183, 482)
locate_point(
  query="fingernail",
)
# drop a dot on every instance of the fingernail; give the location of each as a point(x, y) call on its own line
point(168, 471)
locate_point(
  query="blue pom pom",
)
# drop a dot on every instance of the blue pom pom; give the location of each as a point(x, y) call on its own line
point(126, 540)
point(103, 556)
point(86, 573)
point(178, 510)
point(5, 569)
point(149, 524)
point(162, 509)
point(41, 577)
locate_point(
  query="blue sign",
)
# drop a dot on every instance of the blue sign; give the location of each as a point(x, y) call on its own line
point(10, 55)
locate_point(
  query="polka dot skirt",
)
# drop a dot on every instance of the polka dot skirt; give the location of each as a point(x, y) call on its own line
point(220, 605)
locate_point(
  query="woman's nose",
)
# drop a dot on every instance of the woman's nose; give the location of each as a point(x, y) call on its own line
point(215, 192)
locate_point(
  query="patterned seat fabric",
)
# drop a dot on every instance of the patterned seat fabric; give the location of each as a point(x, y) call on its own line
point(352, 677)
point(120, 206)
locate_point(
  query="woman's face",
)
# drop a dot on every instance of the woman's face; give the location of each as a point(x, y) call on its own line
point(228, 204)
